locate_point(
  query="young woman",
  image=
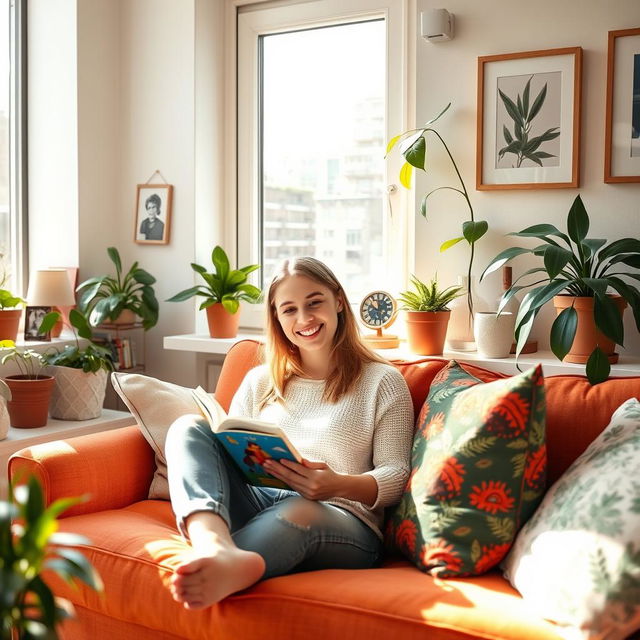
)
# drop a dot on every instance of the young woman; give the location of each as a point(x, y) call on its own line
point(348, 413)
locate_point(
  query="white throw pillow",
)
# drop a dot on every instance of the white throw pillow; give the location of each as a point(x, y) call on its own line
point(155, 405)
point(577, 560)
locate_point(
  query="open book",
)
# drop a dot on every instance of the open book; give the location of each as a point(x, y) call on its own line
point(248, 441)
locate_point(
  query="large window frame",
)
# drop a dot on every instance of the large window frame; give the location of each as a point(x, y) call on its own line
point(17, 146)
point(248, 23)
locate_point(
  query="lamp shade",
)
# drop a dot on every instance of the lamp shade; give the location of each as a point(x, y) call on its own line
point(50, 288)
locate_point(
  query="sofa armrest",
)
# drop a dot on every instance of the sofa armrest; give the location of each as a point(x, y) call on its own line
point(113, 468)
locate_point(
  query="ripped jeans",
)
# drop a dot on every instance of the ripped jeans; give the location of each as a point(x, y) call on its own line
point(290, 532)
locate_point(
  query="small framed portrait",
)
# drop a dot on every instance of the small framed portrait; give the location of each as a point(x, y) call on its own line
point(529, 120)
point(622, 134)
point(32, 320)
point(153, 213)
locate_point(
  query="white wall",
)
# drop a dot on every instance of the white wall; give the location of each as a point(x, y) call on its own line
point(447, 72)
point(120, 88)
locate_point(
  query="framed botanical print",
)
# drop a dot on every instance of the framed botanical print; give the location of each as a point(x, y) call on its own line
point(528, 128)
point(622, 132)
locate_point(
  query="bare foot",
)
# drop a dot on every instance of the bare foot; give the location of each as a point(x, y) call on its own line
point(204, 580)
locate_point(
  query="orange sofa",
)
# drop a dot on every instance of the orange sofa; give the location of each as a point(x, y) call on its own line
point(135, 544)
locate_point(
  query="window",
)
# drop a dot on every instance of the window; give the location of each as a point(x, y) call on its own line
point(316, 105)
point(11, 30)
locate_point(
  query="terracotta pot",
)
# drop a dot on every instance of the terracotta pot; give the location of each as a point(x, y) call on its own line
point(9, 323)
point(587, 336)
point(426, 331)
point(222, 324)
point(126, 317)
point(29, 404)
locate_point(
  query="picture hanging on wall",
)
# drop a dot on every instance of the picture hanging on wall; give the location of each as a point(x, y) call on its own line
point(528, 125)
point(622, 135)
point(153, 213)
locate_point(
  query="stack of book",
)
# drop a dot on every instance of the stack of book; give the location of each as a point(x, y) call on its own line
point(123, 350)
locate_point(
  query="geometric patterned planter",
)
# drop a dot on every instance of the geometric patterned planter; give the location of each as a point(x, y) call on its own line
point(77, 395)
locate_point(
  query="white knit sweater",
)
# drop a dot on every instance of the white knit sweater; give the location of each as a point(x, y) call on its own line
point(369, 430)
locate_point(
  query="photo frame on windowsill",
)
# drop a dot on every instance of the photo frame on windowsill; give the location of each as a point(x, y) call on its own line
point(622, 132)
point(33, 317)
point(528, 127)
point(153, 213)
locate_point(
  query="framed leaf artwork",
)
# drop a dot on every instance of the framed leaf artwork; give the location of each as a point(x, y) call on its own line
point(529, 120)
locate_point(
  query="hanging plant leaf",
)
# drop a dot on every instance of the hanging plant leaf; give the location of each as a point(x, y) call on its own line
point(598, 366)
point(563, 332)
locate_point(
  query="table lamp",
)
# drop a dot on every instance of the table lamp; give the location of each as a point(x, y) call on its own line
point(52, 288)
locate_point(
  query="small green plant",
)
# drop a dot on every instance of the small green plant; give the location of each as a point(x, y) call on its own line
point(7, 299)
point(90, 359)
point(29, 362)
point(29, 545)
point(428, 297)
point(414, 150)
point(225, 285)
point(104, 298)
point(583, 267)
point(522, 113)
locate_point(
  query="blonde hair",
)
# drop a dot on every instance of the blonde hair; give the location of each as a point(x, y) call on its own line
point(348, 353)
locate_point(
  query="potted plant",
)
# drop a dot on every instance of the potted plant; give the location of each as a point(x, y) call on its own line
point(120, 299)
point(414, 150)
point(223, 290)
point(30, 545)
point(427, 315)
point(9, 308)
point(80, 372)
point(30, 389)
point(580, 274)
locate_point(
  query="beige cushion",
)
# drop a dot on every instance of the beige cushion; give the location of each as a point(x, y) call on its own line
point(155, 405)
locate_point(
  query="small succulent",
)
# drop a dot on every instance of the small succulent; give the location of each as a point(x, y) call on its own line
point(428, 297)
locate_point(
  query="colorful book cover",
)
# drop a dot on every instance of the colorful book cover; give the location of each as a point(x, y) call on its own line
point(249, 451)
point(249, 442)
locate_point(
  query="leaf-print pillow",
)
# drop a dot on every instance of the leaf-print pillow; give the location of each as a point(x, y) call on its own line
point(577, 560)
point(478, 471)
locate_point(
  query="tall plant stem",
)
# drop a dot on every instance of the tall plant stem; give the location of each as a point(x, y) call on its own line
point(472, 244)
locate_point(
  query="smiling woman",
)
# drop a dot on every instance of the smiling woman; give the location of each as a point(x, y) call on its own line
point(350, 416)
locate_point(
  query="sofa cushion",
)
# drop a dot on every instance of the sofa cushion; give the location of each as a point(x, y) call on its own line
point(136, 549)
point(155, 405)
point(587, 530)
point(477, 472)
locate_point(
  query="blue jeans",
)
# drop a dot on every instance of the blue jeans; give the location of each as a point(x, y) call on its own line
point(290, 532)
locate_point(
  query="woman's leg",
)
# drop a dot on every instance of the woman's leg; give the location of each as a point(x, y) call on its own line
point(296, 534)
point(210, 498)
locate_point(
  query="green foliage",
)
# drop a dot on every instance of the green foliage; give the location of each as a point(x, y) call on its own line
point(414, 150)
point(29, 362)
point(90, 359)
point(8, 300)
point(225, 285)
point(104, 298)
point(522, 113)
point(427, 297)
point(29, 545)
point(575, 265)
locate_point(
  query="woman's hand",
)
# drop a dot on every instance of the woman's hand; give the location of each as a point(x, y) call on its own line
point(312, 480)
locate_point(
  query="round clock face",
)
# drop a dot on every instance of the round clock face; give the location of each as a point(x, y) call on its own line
point(377, 310)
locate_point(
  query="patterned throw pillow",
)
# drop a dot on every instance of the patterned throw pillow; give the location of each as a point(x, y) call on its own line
point(577, 561)
point(478, 471)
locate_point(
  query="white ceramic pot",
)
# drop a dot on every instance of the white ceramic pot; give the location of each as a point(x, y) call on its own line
point(460, 331)
point(77, 395)
point(494, 333)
